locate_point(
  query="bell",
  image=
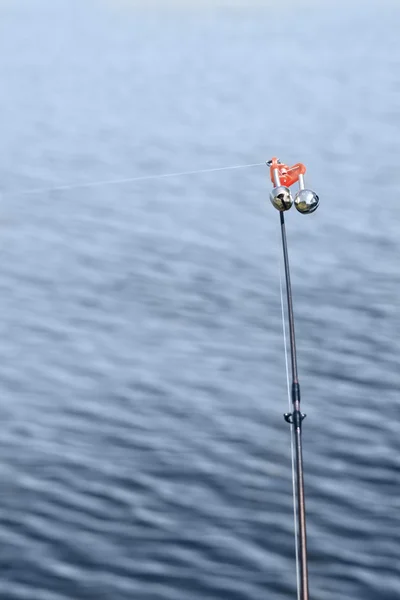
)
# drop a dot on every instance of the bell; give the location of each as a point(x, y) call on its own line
point(306, 201)
point(281, 198)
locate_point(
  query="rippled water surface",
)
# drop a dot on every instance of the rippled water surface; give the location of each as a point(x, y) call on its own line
point(143, 450)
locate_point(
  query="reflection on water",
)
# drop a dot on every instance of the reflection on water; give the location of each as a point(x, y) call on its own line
point(144, 453)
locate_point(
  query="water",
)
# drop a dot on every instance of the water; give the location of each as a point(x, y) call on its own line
point(143, 450)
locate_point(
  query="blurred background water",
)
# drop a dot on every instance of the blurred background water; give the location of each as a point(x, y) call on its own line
point(142, 374)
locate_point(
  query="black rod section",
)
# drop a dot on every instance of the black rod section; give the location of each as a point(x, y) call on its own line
point(296, 422)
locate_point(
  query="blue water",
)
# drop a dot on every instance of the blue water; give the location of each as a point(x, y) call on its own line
point(143, 453)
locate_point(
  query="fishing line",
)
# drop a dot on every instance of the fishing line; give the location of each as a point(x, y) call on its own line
point(291, 434)
point(91, 184)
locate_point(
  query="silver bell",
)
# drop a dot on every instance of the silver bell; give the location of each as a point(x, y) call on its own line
point(281, 198)
point(306, 201)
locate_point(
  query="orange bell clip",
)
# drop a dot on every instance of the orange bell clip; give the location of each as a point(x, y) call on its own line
point(287, 175)
point(282, 176)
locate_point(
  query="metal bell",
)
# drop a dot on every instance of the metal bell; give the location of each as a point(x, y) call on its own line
point(306, 201)
point(281, 198)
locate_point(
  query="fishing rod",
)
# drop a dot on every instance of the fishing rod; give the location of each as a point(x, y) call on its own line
point(306, 201)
